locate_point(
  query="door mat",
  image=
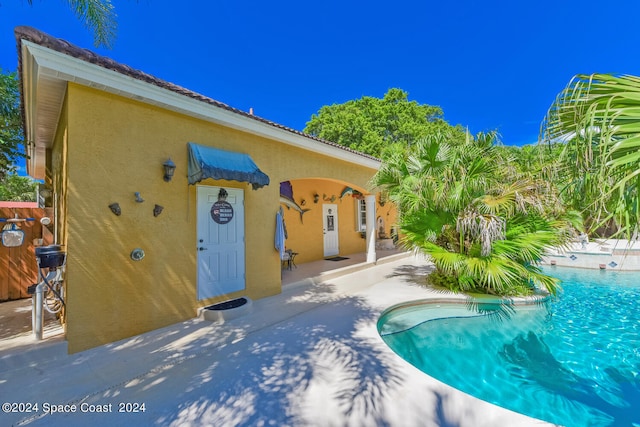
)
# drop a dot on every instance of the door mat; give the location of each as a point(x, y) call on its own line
point(228, 305)
point(336, 258)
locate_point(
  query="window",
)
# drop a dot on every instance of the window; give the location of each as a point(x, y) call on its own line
point(361, 215)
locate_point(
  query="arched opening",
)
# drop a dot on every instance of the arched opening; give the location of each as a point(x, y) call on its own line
point(326, 217)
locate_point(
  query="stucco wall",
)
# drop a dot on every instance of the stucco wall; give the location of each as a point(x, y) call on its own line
point(56, 175)
point(116, 147)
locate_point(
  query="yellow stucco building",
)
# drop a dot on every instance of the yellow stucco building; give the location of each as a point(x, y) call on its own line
point(144, 252)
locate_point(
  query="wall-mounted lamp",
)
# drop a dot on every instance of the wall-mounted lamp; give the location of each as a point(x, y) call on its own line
point(383, 199)
point(45, 196)
point(169, 169)
point(45, 191)
point(316, 197)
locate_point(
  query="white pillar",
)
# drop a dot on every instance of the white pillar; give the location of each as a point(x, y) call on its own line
point(370, 203)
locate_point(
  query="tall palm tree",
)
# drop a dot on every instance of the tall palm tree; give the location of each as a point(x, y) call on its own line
point(597, 117)
point(484, 225)
point(99, 16)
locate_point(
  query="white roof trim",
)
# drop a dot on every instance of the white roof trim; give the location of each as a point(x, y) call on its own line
point(41, 63)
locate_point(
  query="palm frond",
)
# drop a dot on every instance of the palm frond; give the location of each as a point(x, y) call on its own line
point(599, 118)
point(100, 17)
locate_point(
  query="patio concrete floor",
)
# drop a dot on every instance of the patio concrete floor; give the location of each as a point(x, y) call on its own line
point(310, 356)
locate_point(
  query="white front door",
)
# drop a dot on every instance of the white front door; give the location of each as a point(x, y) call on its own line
point(220, 241)
point(330, 229)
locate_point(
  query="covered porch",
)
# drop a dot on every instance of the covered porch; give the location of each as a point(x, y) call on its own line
point(324, 269)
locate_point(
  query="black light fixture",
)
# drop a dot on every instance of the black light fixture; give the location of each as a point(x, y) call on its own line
point(169, 169)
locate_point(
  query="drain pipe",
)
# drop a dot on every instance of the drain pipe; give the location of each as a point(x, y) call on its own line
point(37, 299)
point(37, 315)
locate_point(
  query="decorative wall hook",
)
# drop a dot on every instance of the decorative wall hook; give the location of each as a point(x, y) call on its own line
point(157, 210)
point(137, 254)
point(139, 199)
point(316, 197)
point(115, 208)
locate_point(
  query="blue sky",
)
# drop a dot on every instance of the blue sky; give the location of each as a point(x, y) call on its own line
point(490, 65)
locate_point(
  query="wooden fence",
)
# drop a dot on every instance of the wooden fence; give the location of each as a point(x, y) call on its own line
point(18, 268)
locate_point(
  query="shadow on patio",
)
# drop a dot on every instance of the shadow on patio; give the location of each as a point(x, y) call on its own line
point(309, 356)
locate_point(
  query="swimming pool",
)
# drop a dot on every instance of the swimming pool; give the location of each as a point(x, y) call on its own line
point(573, 361)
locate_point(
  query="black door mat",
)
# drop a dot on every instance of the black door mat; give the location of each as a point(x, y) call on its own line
point(228, 305)
point(336, 258)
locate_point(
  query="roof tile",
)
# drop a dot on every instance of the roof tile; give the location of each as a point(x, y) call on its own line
point(38, 37)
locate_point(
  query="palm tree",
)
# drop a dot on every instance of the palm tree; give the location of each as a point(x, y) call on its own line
point(99, 16)
point(483, 224)
point(597, 117)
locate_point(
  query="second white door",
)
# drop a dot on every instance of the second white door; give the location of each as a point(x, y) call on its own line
point(330, 229)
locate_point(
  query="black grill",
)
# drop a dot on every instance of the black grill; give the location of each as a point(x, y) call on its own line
point(51, 256)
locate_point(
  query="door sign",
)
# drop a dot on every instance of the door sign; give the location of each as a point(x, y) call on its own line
point(330, 222)
point(222, 211)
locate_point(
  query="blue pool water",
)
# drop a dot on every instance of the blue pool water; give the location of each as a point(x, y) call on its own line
point(573, 361)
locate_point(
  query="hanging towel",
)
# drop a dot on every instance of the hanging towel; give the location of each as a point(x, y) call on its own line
point(280, 237)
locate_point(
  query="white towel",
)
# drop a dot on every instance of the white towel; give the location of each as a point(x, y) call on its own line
point(280, 238)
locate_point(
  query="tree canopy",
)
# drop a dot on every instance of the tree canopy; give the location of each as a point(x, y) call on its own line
point(371, 124)
point(17, 188)
point(10, 123)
